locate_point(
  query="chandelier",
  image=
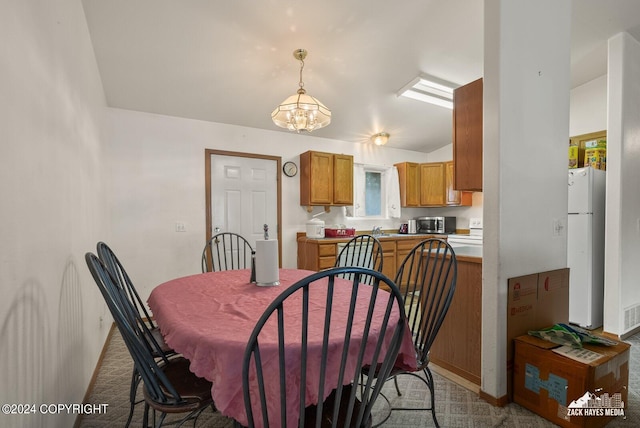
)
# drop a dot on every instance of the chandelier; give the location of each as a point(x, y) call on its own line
point(301, 111)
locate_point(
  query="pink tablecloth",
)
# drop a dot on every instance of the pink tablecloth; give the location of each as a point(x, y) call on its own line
point(209, 317)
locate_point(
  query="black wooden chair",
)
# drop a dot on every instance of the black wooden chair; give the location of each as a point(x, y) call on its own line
point(155, 341)
point(169, 386)
point(350, 404)
point(226, 251)
point(427, 278)
point(363, 251)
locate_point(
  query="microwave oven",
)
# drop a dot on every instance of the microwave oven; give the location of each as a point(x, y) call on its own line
point(436, 224)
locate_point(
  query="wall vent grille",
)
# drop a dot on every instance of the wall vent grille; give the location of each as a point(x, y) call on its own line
point(631, 317)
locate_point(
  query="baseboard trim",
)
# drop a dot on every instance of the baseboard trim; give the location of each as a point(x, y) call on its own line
point(465, 383)
point(457, 371)
point(96, 371)
point(497, 402)
point(456, 378)
point(624, 336)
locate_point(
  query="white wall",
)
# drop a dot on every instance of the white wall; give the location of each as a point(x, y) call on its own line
point(53, 208)
point(526, 129)
point(588, 111)
point(157, 179)
point(622, 248)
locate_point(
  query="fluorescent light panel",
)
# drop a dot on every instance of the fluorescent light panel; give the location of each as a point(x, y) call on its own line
point(430, 90)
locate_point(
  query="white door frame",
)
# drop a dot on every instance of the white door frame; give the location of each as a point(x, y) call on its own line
point(207, 184)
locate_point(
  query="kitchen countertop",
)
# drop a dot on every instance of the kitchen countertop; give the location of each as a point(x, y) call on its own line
point(386, 235)
point(471, 254)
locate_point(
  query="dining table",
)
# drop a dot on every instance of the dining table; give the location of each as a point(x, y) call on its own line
point(209, 317)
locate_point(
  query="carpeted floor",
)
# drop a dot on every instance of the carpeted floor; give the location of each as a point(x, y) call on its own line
point(456, 407)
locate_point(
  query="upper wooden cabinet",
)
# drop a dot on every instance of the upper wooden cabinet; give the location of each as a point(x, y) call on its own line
point(409, 177)
point(467, 137)
point(342, 180)
point(429, 185)
point(455, 197)
point(432, 186)
point(325, 179)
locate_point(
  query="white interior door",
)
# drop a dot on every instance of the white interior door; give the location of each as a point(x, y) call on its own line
point(244, 196)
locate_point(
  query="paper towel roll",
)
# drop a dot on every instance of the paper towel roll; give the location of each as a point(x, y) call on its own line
point(267, 262)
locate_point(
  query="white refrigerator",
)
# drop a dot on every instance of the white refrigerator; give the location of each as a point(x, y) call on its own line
point(585, 246)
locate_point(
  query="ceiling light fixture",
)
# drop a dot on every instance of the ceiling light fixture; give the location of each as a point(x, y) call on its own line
point(380, 139)
point(430, 89)
point(301, 111)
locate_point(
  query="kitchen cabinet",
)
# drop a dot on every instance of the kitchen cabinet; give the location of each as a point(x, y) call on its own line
point(316, 254)
point(389, 258)
point(403, 248)
point(467, 136)
point(436, 186)
point(432, 185)
point(342, 180)
point(454, 197)
point(409, 177)
point(457, 347)
point(326, 179)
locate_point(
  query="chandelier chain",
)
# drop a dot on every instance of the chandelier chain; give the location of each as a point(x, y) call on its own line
point(301, 83)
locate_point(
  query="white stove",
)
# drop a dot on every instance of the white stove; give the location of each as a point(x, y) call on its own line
point(473, 239)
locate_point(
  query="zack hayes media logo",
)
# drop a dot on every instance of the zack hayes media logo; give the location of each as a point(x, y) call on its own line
point(592, 405)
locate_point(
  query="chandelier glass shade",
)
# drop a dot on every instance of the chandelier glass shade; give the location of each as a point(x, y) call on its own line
point(301, 111)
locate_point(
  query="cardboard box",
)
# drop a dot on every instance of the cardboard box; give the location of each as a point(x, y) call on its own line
point(535, 302)
point(573, 156)
point(548, 383)
point(596, 158)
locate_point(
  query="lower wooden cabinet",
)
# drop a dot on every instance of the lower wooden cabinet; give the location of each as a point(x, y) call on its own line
point(389, 258)
point(458, 346)
point(316, 255)
point(403, 248)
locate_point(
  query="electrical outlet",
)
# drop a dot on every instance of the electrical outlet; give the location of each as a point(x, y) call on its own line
point(181, 226)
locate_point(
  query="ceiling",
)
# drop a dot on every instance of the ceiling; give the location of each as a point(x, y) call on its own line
point(232, 62)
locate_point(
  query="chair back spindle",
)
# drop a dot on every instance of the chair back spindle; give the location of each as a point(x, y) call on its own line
point(226, 251)
point(351, 402)
point(363, 251)
point(163, 380)
point(427, 278)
